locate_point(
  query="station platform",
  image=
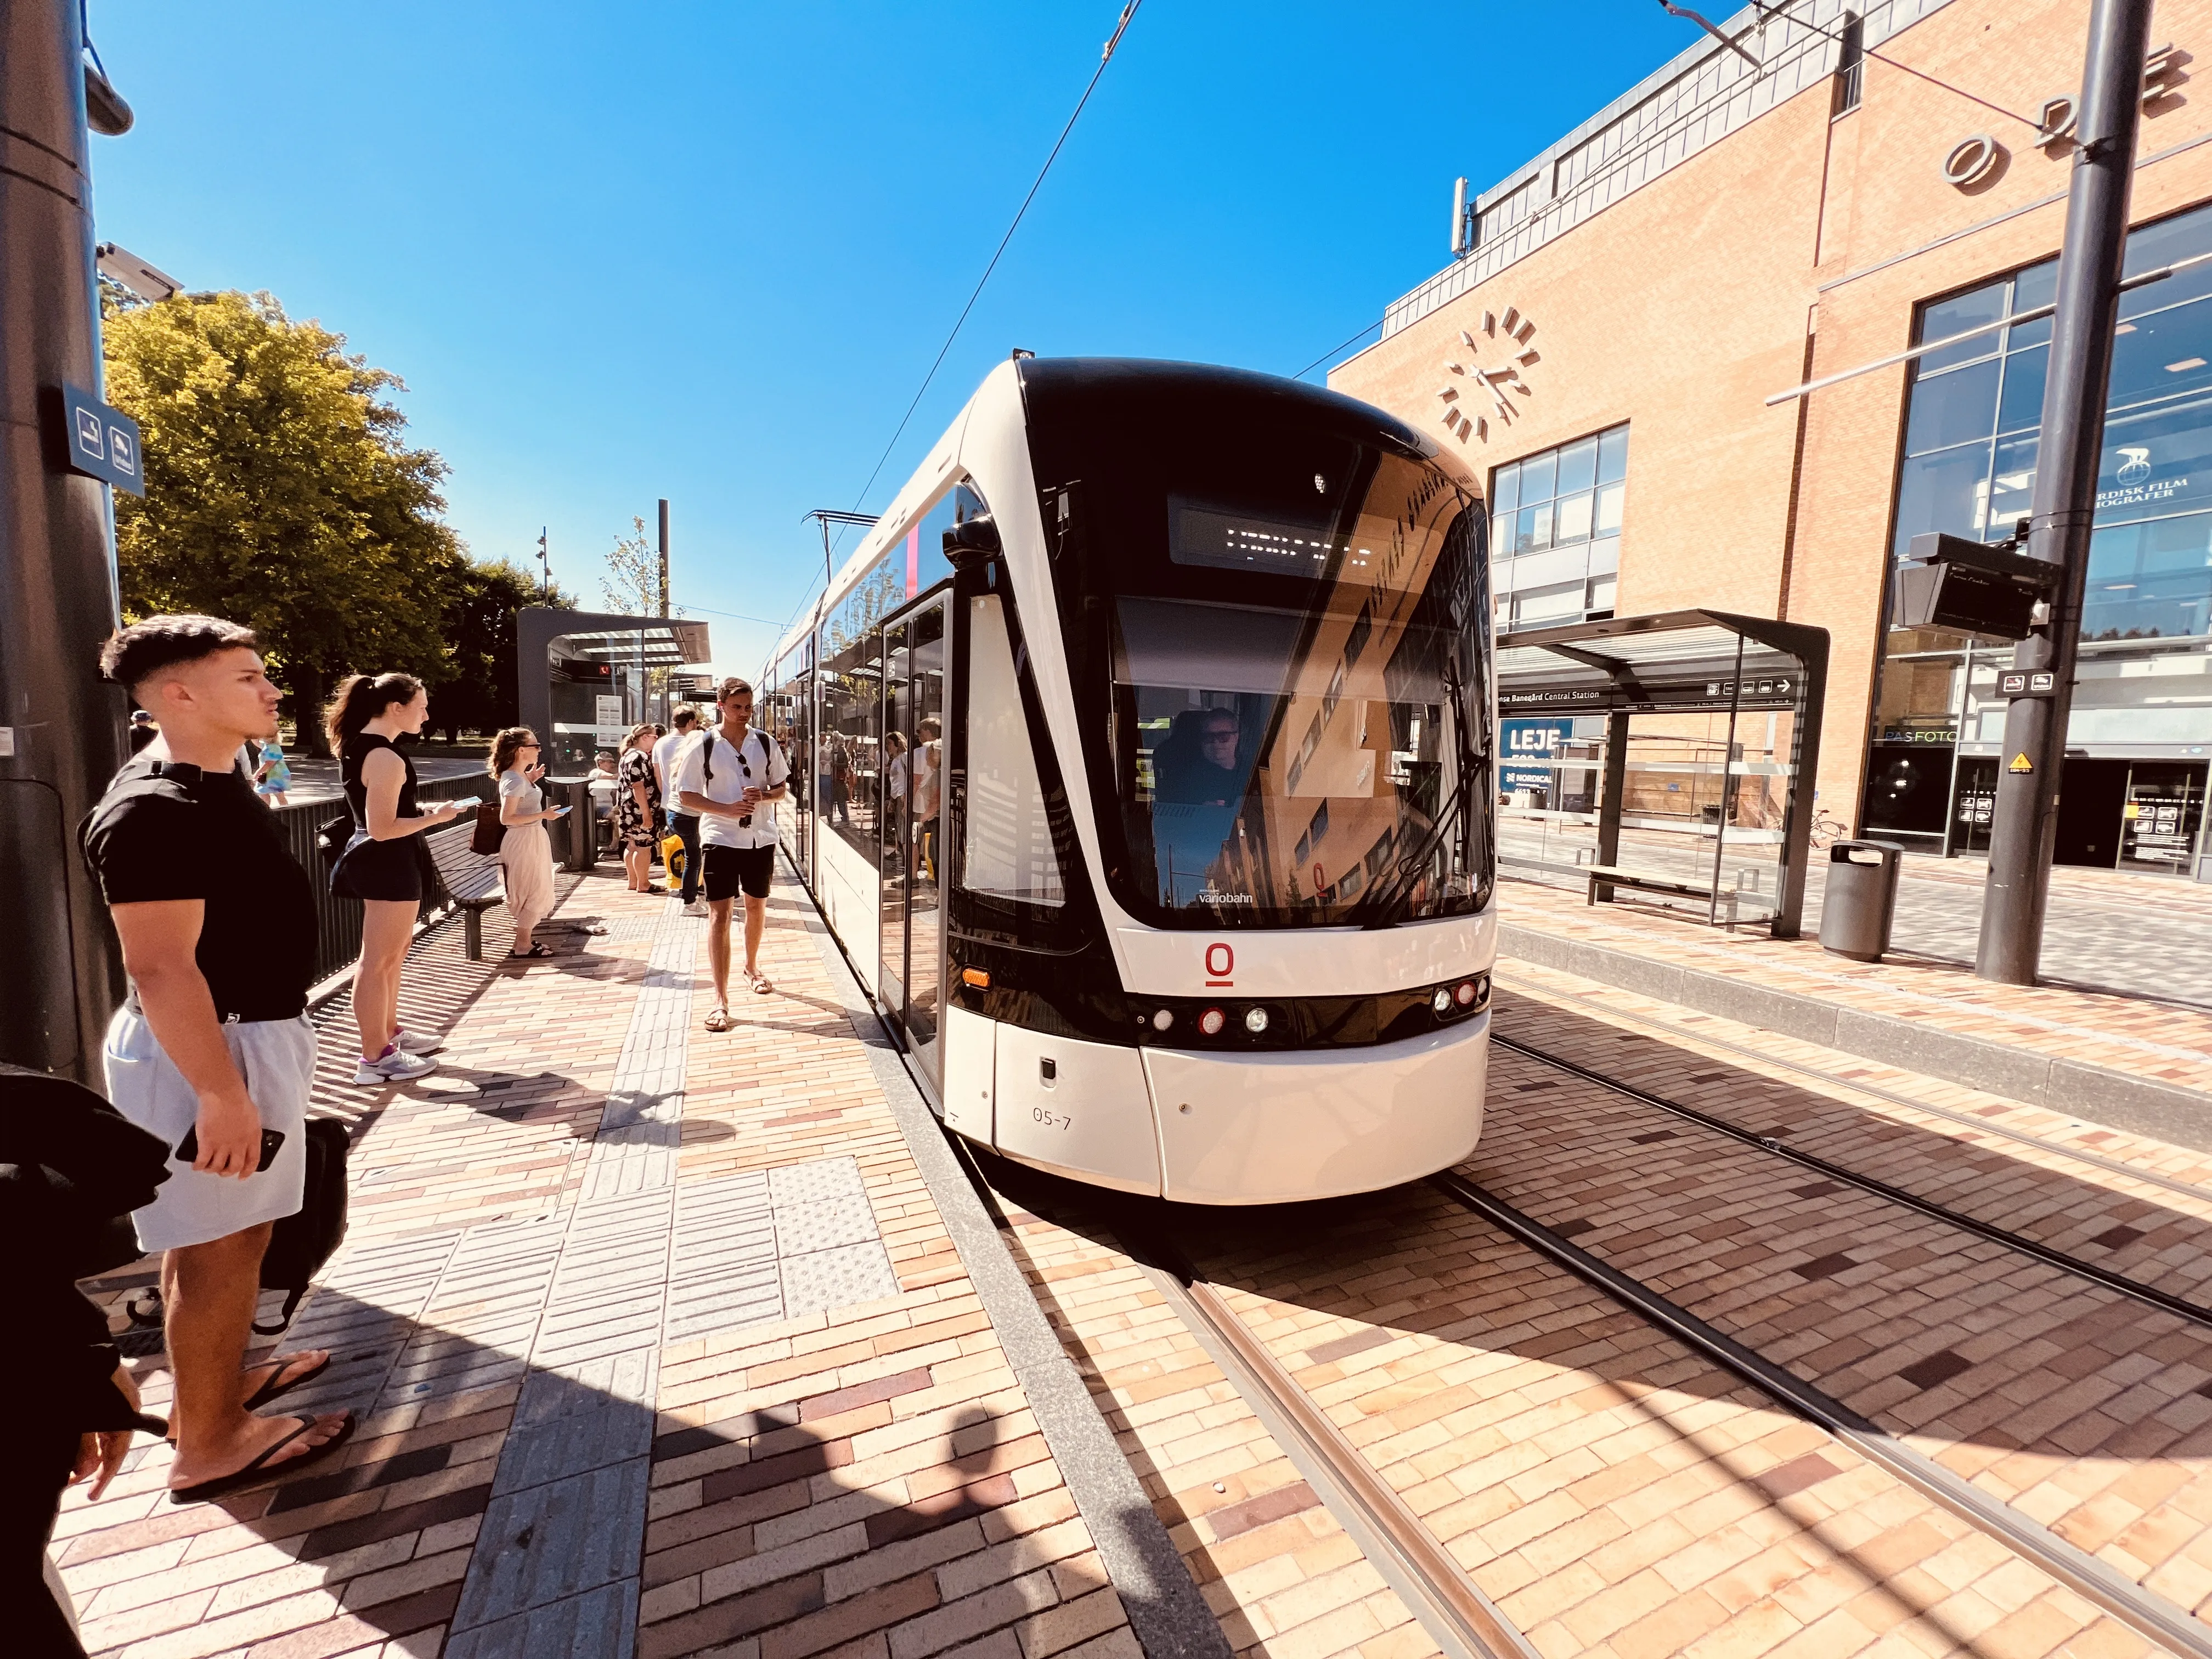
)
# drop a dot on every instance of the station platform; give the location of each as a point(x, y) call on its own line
point(667, 1342)
point(2131, 1060)
point(618, 1290)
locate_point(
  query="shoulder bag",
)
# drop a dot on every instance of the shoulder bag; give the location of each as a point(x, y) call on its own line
point(489, 835)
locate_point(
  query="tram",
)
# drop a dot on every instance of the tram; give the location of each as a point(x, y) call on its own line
point(1142, 764)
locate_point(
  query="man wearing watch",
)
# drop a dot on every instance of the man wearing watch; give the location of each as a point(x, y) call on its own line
point(217, 924)
point(733, 778)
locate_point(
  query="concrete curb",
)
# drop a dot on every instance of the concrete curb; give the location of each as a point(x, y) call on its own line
point(1165, 1608)
point(2170, 1113)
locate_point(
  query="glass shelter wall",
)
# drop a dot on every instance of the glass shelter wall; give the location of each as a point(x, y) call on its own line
point(2144, 694)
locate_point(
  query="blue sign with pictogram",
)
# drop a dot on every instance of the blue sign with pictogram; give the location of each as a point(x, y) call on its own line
point(1535, 744)
point(103, 442)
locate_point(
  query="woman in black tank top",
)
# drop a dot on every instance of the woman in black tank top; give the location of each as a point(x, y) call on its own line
point(382, 865)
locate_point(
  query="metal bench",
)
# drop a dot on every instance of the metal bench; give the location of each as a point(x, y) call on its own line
point(1612, 875)
point(469, 881)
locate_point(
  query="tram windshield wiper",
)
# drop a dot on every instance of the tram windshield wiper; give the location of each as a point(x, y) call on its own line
point(1385, 904)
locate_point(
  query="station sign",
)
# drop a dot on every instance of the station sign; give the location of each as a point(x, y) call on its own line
point(1651, 693)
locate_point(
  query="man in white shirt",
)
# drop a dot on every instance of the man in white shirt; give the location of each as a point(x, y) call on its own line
point(732, 778)
point(684, 723)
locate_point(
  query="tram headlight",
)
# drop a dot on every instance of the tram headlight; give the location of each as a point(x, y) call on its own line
point(1162, 1019)
point(1255, 1020)
point(1465, 996)
point(1442, 1002)
point(1211, 1021)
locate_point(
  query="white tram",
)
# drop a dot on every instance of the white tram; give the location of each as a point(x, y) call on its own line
point(1141, 762)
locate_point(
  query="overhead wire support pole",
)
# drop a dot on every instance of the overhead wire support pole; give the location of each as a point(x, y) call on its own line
point(2064, 504)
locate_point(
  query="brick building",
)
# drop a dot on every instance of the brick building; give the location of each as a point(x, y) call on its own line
point(1603, 353)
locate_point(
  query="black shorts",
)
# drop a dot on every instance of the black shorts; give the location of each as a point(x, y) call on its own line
point(387, 870)
point(726, 869)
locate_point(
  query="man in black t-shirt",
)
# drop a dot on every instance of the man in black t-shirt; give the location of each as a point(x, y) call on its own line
point(217, 924)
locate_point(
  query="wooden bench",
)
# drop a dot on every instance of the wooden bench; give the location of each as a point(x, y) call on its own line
point(469, 881)
point(1612, 875)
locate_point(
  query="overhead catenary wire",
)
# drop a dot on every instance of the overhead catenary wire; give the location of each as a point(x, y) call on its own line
point(1106, 56)
point(1779, 14)
point(1334, 349)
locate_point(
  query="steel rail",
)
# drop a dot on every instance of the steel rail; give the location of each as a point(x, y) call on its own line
point(2144, 1611)
point(1436, 1589)
point(1965, 1119)
point(2119, 1284)
point(1448, 1602)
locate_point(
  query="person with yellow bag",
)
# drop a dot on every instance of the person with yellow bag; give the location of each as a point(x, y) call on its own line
point(679, 845)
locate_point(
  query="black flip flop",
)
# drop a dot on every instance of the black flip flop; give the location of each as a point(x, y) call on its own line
point(275, 1387)
point(534, 953)
point(257, 1470)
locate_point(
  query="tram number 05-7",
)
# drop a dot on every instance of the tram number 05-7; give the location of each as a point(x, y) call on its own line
point(1052, 1120)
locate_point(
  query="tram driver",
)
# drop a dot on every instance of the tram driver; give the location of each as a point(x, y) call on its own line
point(1198, 794)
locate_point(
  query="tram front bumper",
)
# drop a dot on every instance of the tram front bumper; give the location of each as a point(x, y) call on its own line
point(1273, 1129)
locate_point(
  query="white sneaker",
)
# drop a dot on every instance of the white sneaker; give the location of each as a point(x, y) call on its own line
point(417, 1042)
point(395, 1065)
point(696, 908)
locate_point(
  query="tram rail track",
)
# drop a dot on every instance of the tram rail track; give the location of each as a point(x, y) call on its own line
point(2191, 1190)
point(1441, 1594)
point(2147, 1613)
point(2119, 1284)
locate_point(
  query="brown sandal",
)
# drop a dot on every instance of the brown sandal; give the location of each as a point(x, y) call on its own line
point(718, 1019)
point(758, 980)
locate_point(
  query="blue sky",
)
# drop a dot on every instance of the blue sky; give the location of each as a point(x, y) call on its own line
point(708, 252)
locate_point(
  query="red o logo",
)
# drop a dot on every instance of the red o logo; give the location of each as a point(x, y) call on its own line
point(1318, 881)
point(1220, 962)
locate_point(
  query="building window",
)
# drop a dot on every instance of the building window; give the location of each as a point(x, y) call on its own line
point(1972, 421)
point(1850, 65)
point(1555, 530)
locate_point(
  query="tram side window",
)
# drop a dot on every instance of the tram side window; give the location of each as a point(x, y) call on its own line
point(1006, 851)
point(846, 755)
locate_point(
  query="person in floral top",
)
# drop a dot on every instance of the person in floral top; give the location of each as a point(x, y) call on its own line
point(637, 807)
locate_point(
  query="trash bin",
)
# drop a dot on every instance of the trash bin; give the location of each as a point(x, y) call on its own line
point(574, 836)
point(1860, 900)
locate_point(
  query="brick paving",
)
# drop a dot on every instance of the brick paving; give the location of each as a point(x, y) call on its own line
point(662, 1345)
point(2079, 1407)
point(581, 1276)
point(2162, 1042)
point(1609, 1490)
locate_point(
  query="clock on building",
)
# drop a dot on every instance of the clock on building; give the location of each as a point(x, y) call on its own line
point(1488, 374)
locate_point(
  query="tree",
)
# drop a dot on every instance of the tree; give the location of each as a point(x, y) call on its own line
point(632, 584)
point(280, 493)
point(480, 646)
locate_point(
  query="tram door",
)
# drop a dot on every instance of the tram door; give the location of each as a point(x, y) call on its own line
point(912, 855)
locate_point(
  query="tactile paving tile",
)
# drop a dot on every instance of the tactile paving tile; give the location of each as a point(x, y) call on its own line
point(643, 1124)
point(600, 1624)
point(722, 1270)
point(824, 1224)
point(817, 1178)
point(837, 1278)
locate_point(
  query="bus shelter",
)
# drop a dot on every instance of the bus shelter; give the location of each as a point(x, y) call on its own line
point(584, 678)
point(1670, 755)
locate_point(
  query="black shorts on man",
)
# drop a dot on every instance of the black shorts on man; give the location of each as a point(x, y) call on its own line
point(728, 869)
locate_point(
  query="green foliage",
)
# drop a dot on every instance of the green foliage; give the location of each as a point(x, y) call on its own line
point(280, 492)
point(480, 636)
point(632, 584)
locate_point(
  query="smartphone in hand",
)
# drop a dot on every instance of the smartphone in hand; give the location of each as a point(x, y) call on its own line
point(188, 1148)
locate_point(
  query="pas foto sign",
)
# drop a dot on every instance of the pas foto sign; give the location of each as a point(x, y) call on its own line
point(1972, 159)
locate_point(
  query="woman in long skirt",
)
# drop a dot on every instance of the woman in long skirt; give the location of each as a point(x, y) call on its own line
point(525, 851)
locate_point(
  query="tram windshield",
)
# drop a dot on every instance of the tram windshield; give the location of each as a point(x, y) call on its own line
point(1298, 701)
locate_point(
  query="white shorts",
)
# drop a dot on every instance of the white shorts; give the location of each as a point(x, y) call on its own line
point(276, 1058)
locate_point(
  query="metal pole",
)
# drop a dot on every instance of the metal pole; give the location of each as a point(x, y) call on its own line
point(61, 733)
point(663, 555)
point(2065, 500)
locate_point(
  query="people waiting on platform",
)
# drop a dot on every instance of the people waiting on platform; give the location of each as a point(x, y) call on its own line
point(526, 851)
point(211, 1052)
point(637, 807)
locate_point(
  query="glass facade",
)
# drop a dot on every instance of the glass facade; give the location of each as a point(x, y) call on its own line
point(2143, 698)
point(1555, 530)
